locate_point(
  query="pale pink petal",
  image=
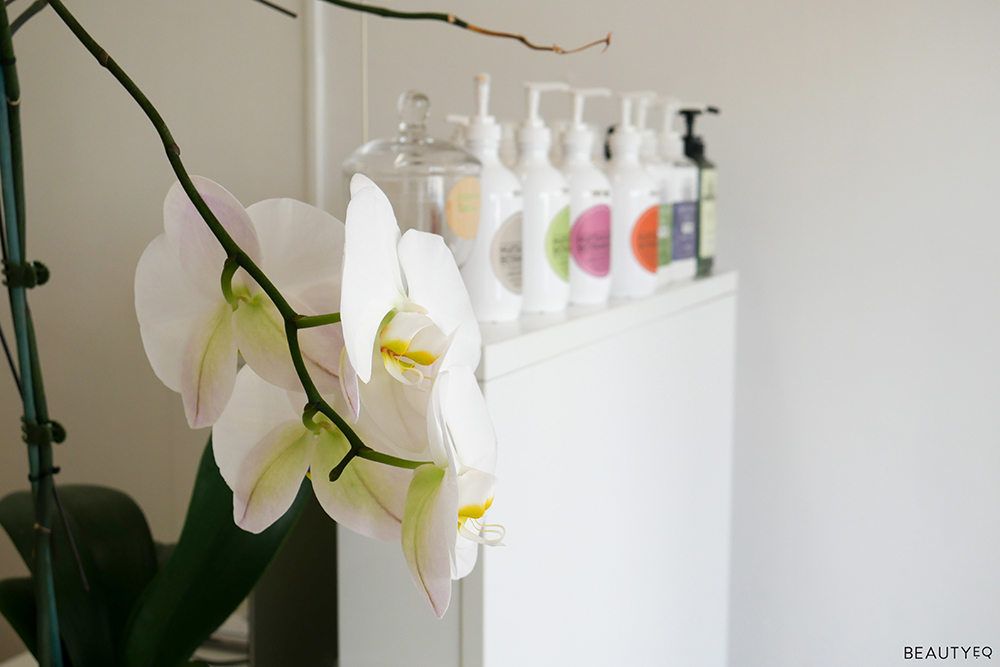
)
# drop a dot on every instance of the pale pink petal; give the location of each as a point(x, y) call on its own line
point(199, 251)
point(254, 410)
point(301, 245)
point(208, 367)
point(270, 476)
point(429, 534)
point(168, 307)
point(372, 285)
point(434, 283)
point(260, 333)
point(398, 410)
point(349, 386)
point(368, 498)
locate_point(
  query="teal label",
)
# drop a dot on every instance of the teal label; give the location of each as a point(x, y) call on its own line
point(664, 233)
point(557, 244)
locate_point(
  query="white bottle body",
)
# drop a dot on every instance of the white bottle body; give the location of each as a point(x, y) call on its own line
point(682, 195)
point(493, 272)
point(634, 224)
point(545, 234)
point(590, 230)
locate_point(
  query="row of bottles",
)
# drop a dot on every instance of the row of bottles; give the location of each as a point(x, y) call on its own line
point(532, 237)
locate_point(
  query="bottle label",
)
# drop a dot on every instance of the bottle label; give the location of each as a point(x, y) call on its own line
point(462, 208)
point(706, 214)
point(645, 242)
point(590, 240)
point(557, 244)
point(685, 229)
point(665, 234)
point(505, 253)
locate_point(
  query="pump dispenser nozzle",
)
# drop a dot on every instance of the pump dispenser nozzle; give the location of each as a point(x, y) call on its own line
point(534, 98)
point(671, 141)
point(647, 137)
point(483, 127)
point(579, 96)
point(534, 135)
point(694, 147)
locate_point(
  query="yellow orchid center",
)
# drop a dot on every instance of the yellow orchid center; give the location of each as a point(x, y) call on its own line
point(410, 342)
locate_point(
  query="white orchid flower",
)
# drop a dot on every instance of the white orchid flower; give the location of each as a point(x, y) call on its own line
point(411, 343)
point(192, 334)
point(448, 498)
point(264, 450)
point(403, 305)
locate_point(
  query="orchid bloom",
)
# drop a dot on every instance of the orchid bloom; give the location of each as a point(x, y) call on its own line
point(264, 450)
point(192, 334)
point(411, 343)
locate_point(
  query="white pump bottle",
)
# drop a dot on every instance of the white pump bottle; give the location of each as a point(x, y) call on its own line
point(545, 225)
point(493, 272)
point(589, 209)
point(651, 159)
point(635, 215)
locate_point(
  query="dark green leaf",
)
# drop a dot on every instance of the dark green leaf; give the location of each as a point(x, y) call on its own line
point(17, 604)
point(163, 551)
point(211, 571)
point(117, 554)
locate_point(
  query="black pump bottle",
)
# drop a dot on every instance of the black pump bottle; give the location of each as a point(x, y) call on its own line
point(694, 148)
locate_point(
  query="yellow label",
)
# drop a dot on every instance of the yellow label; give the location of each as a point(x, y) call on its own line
point(462, 208)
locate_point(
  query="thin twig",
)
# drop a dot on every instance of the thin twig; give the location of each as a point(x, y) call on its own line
point(72, 542)
point(10, 361)
point(465, 25)
point(279, 8)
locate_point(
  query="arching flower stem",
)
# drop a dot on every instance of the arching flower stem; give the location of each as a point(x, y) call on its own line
point(236, 254)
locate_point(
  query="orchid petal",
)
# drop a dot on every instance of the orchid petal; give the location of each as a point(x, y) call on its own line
point(468, 420)
point(372, 285)
point(302, 245)
point(349, 385)
point(464, 559)
point(168, 307)
point(200, 253)
point(429, 534)
point(399, 410)
point(434, 283)
point(208, 367)
point(260, 333)
point(368, 498)
point(255, 409)
point(270, 476)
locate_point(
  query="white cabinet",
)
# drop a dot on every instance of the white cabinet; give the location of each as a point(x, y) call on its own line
point(615, 435)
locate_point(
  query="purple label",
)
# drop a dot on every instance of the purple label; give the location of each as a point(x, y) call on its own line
point(685, 229)
point(590, 240)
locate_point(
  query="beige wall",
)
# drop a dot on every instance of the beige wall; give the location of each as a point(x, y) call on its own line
point(228, 78)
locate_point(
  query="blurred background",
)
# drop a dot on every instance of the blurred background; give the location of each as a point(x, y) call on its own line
point(857, 152)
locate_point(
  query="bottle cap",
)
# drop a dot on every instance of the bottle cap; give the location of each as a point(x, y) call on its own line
point(533, 132)
point(579, 137)
point(483, 128)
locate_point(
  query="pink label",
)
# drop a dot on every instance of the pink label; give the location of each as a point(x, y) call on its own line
point(590, 240)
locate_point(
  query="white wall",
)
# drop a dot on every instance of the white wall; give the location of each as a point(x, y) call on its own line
point(228, 78)
point(858, 156)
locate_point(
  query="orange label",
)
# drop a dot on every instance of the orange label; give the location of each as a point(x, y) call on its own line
point(462, 208)
point(645, 242)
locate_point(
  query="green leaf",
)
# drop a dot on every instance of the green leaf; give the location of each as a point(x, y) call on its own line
point(117, 554)
point(17, 604)
point(211, 571)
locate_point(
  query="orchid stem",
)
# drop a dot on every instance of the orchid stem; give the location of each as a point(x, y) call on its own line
point(232, 249)
point(309, 321)
point(465, 25)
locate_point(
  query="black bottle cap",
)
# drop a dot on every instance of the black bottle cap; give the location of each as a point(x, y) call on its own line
point(694, 146)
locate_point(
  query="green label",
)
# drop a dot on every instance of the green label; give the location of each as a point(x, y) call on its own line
point(665, 233)
point(557, 244)
point(706, 214)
